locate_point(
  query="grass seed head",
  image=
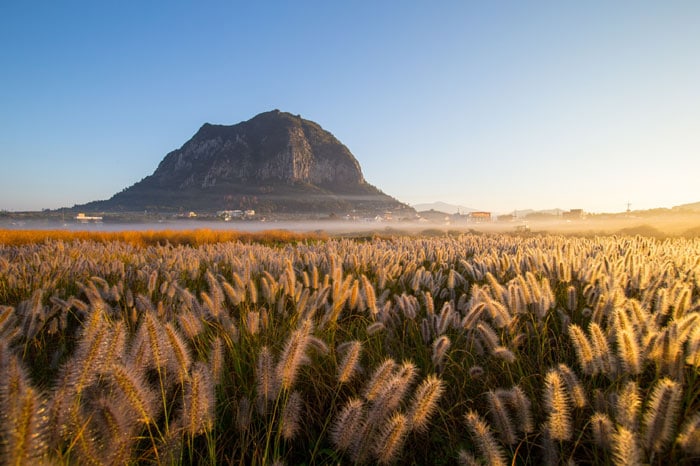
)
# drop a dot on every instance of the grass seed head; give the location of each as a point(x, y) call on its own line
point(425, 402)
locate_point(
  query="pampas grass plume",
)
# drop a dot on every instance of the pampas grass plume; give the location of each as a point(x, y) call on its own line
point(350, 362)
point(441, 346)
point(603, 357)
point(23, 425)
point(523, 409)
point(407, 372)
point(369, 294)
point(557, 403)
point(151, 336)
point(135, 392)
point(199, 400)
point(390, 440)
point(374, 328)
point(602, 429)
point(625, 448)
point(689, 437)
point(233, 295)
point(348, 424)
point(293, 355)
point(628, 406)
point(578, 395)
point(216, 359)
point(115, 427)
point(253, 322)
point(503, 353)
point(488, 336)
point(392, 392)
point(379, 379)
point(265, 376)
point(485, 441)
point(571, 299)
point(500, 418)
point(318, 345)
point(190, 324)
point(291, 415)
point(628, 351)
point(182, 359)
point(583, 349)
point(425, 401)
point(152, 280)
point(90, 353)
point(661, 412)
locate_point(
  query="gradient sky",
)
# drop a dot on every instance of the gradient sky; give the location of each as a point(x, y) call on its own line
point(496, 105)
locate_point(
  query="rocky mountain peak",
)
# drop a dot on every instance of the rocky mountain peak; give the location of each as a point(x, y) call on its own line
point(276, 162)
point(271, 147)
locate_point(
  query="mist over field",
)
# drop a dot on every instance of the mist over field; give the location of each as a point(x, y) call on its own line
point(656, 226)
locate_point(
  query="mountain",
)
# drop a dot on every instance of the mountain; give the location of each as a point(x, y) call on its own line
point(443, 207)
point(275, 162)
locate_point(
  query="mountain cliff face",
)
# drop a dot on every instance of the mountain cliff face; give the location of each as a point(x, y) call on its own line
point(275, 162)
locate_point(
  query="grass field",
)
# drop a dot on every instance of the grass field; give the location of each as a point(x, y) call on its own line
point(214, 347)
point(155, 237)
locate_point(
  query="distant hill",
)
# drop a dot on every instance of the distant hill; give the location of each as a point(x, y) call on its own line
point(444, 207)
point(275, 162)
point(693, 207)
point(453, 209)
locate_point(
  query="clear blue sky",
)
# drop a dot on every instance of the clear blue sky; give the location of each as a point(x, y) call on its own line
point(497, 105)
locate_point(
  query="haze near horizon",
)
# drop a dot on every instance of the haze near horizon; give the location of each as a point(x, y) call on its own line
point(497, 106)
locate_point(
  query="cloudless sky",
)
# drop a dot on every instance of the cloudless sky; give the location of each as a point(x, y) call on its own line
point(496, 105)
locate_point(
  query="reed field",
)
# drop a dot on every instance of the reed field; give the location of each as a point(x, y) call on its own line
point(301, 349)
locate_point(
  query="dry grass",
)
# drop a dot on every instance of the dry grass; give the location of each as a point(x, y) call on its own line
point(157, 237)
point(215, 347)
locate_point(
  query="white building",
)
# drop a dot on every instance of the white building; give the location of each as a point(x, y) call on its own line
point(82, 218)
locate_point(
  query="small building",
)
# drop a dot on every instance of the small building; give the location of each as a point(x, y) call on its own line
point(479, 217)
point(82, 218)
point(229, 214)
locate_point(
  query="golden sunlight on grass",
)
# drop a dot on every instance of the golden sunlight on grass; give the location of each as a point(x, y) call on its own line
point(155, 237)
point(212, 347)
